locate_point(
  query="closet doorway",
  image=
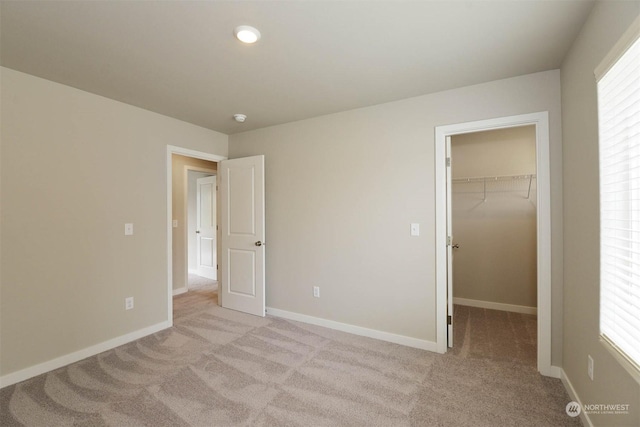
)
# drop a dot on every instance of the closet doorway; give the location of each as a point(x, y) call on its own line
point(444, 245)
point(494, 248)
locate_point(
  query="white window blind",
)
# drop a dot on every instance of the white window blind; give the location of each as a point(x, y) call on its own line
point(619, 127)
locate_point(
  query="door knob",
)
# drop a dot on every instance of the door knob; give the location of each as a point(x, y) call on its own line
point(456, 246)
point(197, 231)
point(258, 243)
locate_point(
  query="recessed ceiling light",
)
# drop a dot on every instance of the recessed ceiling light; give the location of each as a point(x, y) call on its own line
point(247, 34)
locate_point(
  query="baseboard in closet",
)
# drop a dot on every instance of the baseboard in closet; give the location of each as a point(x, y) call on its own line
point(495, 305)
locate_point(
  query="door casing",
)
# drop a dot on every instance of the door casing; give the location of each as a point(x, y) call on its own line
point(541, 122)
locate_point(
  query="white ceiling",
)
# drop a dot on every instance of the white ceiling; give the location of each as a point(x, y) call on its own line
point(180, 58)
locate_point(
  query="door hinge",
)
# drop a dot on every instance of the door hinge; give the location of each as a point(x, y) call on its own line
point(216, 266)
point(448, 240)
point(448, 161)
point(449, 320)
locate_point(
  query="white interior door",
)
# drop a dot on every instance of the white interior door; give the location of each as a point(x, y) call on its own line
point(449, 249)
point(207, 258)
point(242, 230)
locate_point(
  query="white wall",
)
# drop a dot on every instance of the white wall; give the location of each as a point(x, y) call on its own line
point(75, 168)
point(496, 261)
point(611, 384)
point(342, 190)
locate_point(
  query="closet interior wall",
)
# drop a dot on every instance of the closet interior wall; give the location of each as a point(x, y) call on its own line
point(494, 217)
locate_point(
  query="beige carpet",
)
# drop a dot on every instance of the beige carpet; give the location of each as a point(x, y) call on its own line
point(195, 282)
point(500, 336)
point(217, 367)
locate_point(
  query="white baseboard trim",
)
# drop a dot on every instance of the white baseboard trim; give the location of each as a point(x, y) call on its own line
point(180, 291)
point(586, 421)
point(356, 330)
point(495, 305)
point(67, 359)
point(552, 371)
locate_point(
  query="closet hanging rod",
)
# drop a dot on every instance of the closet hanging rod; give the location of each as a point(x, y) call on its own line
point(493, 178)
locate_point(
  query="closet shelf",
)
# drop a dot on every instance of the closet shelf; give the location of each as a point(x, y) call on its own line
point(495, 184)
point(493, 178)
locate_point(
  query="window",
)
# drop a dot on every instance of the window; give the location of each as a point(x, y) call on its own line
point(619, 128)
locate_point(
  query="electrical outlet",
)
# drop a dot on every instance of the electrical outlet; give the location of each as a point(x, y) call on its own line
point(128, 229)
point(128, 303)
point(590, 367)
point(316, 291)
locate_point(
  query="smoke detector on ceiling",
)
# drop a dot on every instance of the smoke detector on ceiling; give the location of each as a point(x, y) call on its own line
point(240, 118)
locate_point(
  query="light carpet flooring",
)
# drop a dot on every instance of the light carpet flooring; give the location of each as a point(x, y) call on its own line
point(194, 281)
point(217, 367)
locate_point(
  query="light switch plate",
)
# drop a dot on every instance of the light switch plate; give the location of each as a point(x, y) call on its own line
point(128, 229)
point(175, 223)
point(415, 229)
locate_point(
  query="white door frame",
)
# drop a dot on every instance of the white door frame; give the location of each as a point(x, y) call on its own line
point(171, 150)
point(541, 122)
